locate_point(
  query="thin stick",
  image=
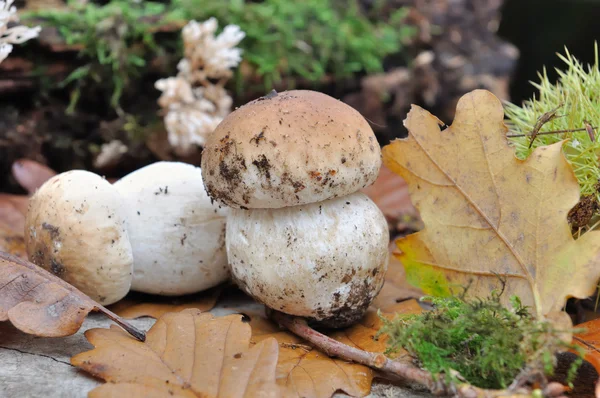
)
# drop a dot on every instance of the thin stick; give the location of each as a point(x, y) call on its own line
point(550, 132)
point(545, 118)
point(395, 369)
point(132, 330)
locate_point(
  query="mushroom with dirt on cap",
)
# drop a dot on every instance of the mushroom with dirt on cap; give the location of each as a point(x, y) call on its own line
point(154, 231)
point(300, 237)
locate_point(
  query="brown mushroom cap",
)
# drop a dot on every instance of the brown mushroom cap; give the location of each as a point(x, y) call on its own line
point(292, 148)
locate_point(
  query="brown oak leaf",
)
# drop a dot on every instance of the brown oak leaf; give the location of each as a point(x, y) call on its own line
point(309, 373)
point(186, 354)
point(396, 288)
point(31, 175)
point(12, 212)
point(390, 193)
point(589, 340)
point(12, 242)
point(137, 305)
point(39, 303)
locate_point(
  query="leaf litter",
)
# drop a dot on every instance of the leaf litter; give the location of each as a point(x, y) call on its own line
point(488, 215)
point(186, 354)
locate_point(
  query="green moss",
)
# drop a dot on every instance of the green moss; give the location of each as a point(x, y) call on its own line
point(486, 343)
point(116, 42)
point(577, 96)
point(308, 39)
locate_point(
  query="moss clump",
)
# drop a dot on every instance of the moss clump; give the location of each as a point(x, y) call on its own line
point(117, 41)
point(486, 343)
point(310, 39)
point(576, 94)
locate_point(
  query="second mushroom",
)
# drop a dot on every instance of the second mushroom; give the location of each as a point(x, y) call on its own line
point(300, 238)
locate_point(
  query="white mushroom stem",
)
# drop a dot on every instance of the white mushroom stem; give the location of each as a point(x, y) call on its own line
point(325, 261)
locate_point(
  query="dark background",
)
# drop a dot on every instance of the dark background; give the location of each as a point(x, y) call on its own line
point(540, 29)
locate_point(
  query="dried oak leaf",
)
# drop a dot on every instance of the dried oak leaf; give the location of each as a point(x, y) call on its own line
point(186, 354)
point(30, 175)
point(396, 288)
point(39, 303)
point(486, 213)
point(12, 242)
point(390, 193)
point(309, 373)
point(137, 305)
point(12, 212)
point(589, 340)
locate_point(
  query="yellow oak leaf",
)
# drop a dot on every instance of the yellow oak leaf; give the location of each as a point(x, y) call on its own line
point(488, 214)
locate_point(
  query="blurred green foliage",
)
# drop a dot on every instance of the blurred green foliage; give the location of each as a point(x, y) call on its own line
point(308, 39)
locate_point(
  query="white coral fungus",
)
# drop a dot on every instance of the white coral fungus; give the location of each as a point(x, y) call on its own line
point(207, 56)
point(15, 34)
point(194, 105)
point(110, 154)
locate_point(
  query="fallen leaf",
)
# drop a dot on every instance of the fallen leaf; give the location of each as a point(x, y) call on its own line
point(137, 305)
point(486, 213)
point(390, 193)
point(186, 354)
point(13, 208)
point(39, 303)
point(12, 242)
point(12, 224)
point(12, 212)
point(396, 288)
point(310, 373)
point(30, 174)
point(590, 341)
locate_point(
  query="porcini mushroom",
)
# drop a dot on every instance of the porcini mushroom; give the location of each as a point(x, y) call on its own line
point(155, 231)
point(324, 261)
point(176, 232)
point(294, 148)
point(75, 228)
point(302, 240)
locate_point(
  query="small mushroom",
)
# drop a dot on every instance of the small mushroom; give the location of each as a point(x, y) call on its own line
point(155, 231)
point(301, 240)
point(75, 228)
point(176, 232)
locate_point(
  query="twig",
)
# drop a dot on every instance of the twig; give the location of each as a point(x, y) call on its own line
point(590, 130)
point(395, 369)
point(132, 330)
point(545, 118)
point(550, 132)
